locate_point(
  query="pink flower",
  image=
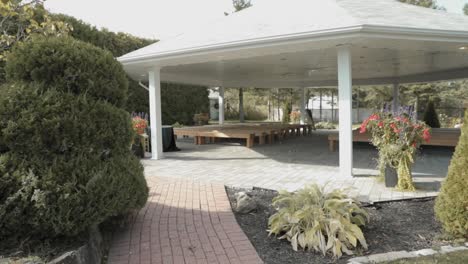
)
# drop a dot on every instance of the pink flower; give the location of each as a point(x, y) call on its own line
point(363, 127)
point(380, 124)
point(374, 117)
point(394, 127)
point(426, 135)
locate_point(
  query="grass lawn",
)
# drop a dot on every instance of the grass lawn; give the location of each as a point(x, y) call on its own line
point(457, 257)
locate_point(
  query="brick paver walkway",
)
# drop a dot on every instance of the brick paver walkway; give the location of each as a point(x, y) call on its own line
point(184, 221)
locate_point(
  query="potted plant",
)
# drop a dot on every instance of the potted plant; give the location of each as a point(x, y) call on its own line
point(396, 136)
point(139, 126)
point(295, 117)
point(201, 119)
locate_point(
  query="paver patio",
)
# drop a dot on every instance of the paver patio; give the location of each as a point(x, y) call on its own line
point(184, 221)
point(294, 162)
point(188, 218)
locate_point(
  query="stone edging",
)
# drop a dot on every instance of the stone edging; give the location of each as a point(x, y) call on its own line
point(90, 253)
point(396, 255)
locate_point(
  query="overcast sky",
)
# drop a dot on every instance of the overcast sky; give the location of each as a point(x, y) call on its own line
point(159, 19)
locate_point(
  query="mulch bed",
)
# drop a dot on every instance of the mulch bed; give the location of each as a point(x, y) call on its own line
point(394, 226)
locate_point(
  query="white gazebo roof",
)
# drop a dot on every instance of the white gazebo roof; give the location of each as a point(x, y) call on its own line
point(273, 44)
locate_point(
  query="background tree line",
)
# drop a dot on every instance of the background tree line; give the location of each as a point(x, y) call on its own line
point(21, 20)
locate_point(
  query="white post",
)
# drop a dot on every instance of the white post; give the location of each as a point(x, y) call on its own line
point(155, 113)
point(221, 105)
point(396, 100)
point(303, 107)
point(345, 111)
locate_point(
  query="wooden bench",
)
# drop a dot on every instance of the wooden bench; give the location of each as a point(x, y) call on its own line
point(265, 132)
point(202, 135)
point(447, 137)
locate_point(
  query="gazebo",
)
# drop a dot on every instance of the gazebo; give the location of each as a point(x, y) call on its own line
point(306, 43)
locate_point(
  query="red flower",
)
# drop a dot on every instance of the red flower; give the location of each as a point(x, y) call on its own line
point(139, 125)
point(426, 135)
point(374, 117)
point(363, 126)
point(394, 127)
point(380, 124)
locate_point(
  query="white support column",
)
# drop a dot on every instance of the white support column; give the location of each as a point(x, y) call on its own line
point(302, 105)
point(155, 113)
point(396, 98)
point(221, 105)
point(345, 111)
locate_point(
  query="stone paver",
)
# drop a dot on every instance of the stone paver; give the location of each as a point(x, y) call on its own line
point(184, 221)
point(293, 163)
point(397, 255)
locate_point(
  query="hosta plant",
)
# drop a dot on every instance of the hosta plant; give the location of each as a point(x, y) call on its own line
point(314, 219)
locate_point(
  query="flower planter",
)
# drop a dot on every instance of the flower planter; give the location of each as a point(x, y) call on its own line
point(397, 136)
point(391, 177)
point(137, 149)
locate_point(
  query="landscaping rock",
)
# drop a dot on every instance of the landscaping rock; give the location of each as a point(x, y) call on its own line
point(28, 260)
point(244, 203)
point(91, 253)
point(425, 252)
point(376, 258)
point(71, 257)
point(448, 249)
point(402, 255)
point(358, 260)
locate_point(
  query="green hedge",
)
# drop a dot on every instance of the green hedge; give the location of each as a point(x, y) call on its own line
point(452, 203)
point(65, 159)
point(70, 65)
point(180, 102)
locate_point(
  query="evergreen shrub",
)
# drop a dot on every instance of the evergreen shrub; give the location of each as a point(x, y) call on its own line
point(452, 203)
point(65, 158)
point(71, 66)
point(430, 115)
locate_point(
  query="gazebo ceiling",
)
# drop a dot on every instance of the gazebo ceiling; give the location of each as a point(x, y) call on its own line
point(295, 46)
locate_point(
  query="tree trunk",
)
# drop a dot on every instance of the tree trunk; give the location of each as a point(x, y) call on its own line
point(278, 105)
point(292, 96)
point(332, 108)
point(416, 107)
point(269, 108)
point(241, 105)
point(357, 107)
point(269, 105)
point(320, 105)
